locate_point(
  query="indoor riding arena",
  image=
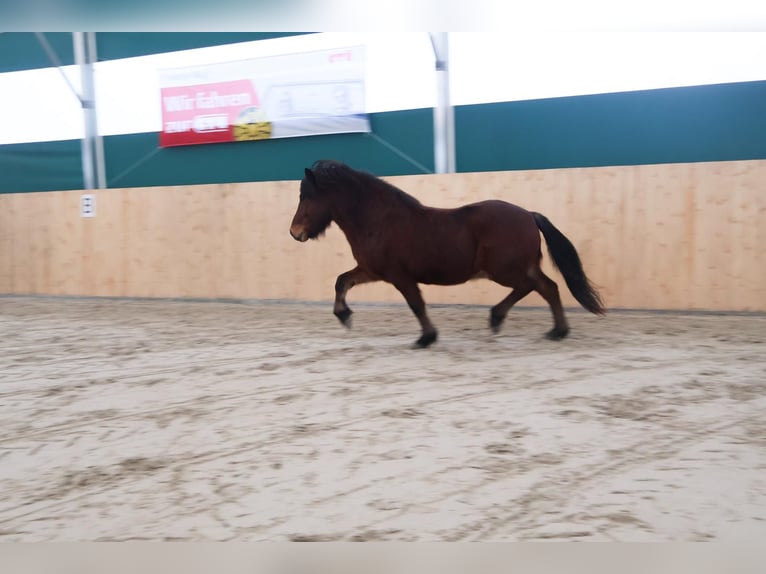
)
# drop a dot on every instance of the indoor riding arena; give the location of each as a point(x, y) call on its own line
point(171, 368)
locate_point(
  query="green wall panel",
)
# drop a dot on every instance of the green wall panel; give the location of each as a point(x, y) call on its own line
point(48, 166)
point(22, 50)
point(700, 123)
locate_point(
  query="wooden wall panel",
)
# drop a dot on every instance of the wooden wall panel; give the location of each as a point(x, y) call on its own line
point(67, 250)
point(7, 231)
point(730, 238)
point(103, 247)
point(683, 236)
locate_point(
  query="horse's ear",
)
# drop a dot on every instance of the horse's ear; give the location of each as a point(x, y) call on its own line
point(310, 176)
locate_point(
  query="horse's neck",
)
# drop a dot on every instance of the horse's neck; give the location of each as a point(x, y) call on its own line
point(347, 216)
point(356, 218)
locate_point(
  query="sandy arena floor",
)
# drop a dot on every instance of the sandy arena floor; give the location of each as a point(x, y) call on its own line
point(133, 420)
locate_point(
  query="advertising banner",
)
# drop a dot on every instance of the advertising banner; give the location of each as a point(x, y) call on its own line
point(277, 97)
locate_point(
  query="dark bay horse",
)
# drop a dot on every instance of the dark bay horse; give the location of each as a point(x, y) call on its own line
point(395, 238)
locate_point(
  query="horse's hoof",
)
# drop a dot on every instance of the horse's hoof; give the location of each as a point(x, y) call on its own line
point(425, 340)
point(495, 323)
point(345, 317)
point(557, 334)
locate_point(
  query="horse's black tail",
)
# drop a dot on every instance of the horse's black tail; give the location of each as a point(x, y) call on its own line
point(566, 260)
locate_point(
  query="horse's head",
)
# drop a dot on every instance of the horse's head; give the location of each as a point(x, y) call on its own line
point(313, 216)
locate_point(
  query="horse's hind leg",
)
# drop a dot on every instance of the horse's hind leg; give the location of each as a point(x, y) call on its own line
point(414, 299)
point(345, 282)
point(550, 291)
point(498, 313)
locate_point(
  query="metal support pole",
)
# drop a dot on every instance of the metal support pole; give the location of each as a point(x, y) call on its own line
point(444, 112)
point(86, 144)
point(98, 139)
point(92, 143)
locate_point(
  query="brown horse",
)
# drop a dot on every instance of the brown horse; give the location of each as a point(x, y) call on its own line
point(395, 238)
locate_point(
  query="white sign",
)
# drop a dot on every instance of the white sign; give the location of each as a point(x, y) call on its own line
point(282, 96)
point(88, 205)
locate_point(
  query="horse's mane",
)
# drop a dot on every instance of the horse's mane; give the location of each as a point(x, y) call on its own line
point(339, 175)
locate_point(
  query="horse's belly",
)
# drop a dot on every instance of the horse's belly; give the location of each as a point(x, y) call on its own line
point(453, 280)
point(452, 273)
point(446, 260)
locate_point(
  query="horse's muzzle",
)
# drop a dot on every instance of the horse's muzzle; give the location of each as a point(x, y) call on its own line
point(298, 235)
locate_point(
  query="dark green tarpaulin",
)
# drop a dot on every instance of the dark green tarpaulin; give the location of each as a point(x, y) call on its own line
point(22, 50)
point(701, 123)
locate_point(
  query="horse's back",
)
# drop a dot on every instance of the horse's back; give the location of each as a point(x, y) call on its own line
point(495, 216)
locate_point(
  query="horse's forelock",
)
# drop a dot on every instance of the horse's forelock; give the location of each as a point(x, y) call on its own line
point(331, 173)
point(329, 169)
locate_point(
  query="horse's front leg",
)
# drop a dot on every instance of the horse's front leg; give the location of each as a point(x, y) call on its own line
point(414, 299)
point(345, 282)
